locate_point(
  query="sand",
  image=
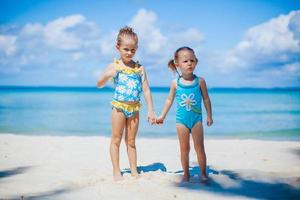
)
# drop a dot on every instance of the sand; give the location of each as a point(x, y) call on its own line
point(54, 167)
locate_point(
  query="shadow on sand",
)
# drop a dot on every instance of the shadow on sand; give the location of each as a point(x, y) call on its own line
point(229, 183)
point(148, 168)
point(42, 195)
point(13, 171)
point(296, 151)
point(34, 196)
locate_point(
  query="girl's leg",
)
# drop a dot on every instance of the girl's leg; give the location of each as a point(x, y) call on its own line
point(184, 142)
point(131, 129)
point(198, 138)
point(118, 123)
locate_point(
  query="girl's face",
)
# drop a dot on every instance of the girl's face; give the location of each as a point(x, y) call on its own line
point(186, 61)
point(127, 49)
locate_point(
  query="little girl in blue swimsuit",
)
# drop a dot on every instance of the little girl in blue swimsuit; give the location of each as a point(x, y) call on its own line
point(130, 81)
point(189, 90)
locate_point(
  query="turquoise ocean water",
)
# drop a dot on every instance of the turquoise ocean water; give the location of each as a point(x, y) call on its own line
point(238, 113)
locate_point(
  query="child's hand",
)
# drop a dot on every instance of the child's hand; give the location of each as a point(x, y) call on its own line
point(209, 121)
point(160, 120)
point(151, 117)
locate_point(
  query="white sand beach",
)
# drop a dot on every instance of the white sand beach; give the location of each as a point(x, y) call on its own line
point(53, 167)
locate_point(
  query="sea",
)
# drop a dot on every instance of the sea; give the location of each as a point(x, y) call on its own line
point(238, 113)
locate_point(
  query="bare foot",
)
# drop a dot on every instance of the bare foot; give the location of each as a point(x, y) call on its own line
point(204, 179)
point(135, 175)
point(185, 178)
point(118, 177)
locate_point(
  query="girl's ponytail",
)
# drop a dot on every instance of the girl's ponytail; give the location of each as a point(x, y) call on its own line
point(172, 66)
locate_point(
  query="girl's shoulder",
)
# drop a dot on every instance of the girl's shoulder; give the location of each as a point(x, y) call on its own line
point(202, 83)
point(112, 70)
point(201, 80)
point(174, 83)
point(111, 67)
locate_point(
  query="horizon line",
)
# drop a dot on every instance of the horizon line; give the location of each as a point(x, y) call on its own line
point(153, 87)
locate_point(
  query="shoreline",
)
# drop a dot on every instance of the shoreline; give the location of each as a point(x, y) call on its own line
point(75, 167)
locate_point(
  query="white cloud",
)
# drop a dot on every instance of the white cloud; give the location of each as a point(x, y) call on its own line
point(192, 35)
point(150, 36)
point(157, 46)
point(267, 43)
point(32, 30)
point(267, 56)
point(70, 33)
point(58, 43)
point(56, 33)
point(73, 32)
point(294, 25)
point(8, 44)
point(108, 43)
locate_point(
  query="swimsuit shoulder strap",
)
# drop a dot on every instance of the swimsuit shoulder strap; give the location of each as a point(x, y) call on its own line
point(127, 70)
point(117, 65)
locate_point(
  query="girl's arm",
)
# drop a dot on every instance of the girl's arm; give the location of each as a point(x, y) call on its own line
point(206, 101)
point(109, 72)
point(168, 103)
point(148, 98)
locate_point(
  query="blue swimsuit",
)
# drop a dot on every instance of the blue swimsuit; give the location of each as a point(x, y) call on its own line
point(188, 100)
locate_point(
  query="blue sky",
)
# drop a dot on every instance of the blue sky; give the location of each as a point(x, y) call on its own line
point(69, 43)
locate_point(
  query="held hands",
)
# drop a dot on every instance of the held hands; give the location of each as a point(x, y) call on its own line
point(151, 117)
point(159, 120)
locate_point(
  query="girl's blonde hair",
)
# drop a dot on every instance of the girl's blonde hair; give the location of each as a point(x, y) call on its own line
point(171, 63)
point(126, 31)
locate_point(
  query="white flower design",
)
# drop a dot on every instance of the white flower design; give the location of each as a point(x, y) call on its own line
point(121, 98)
point(187, 101)
point(123, 77)
point(135, 93)
point(121, 89)
point(131, 84)
point(129, 91)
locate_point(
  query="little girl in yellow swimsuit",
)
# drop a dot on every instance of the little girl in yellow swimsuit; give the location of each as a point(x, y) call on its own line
point(130, 80)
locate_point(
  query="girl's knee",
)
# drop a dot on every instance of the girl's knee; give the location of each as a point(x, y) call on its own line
point(131, 146)
point(199, 149)
point(116, 140)
point(130, 143)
